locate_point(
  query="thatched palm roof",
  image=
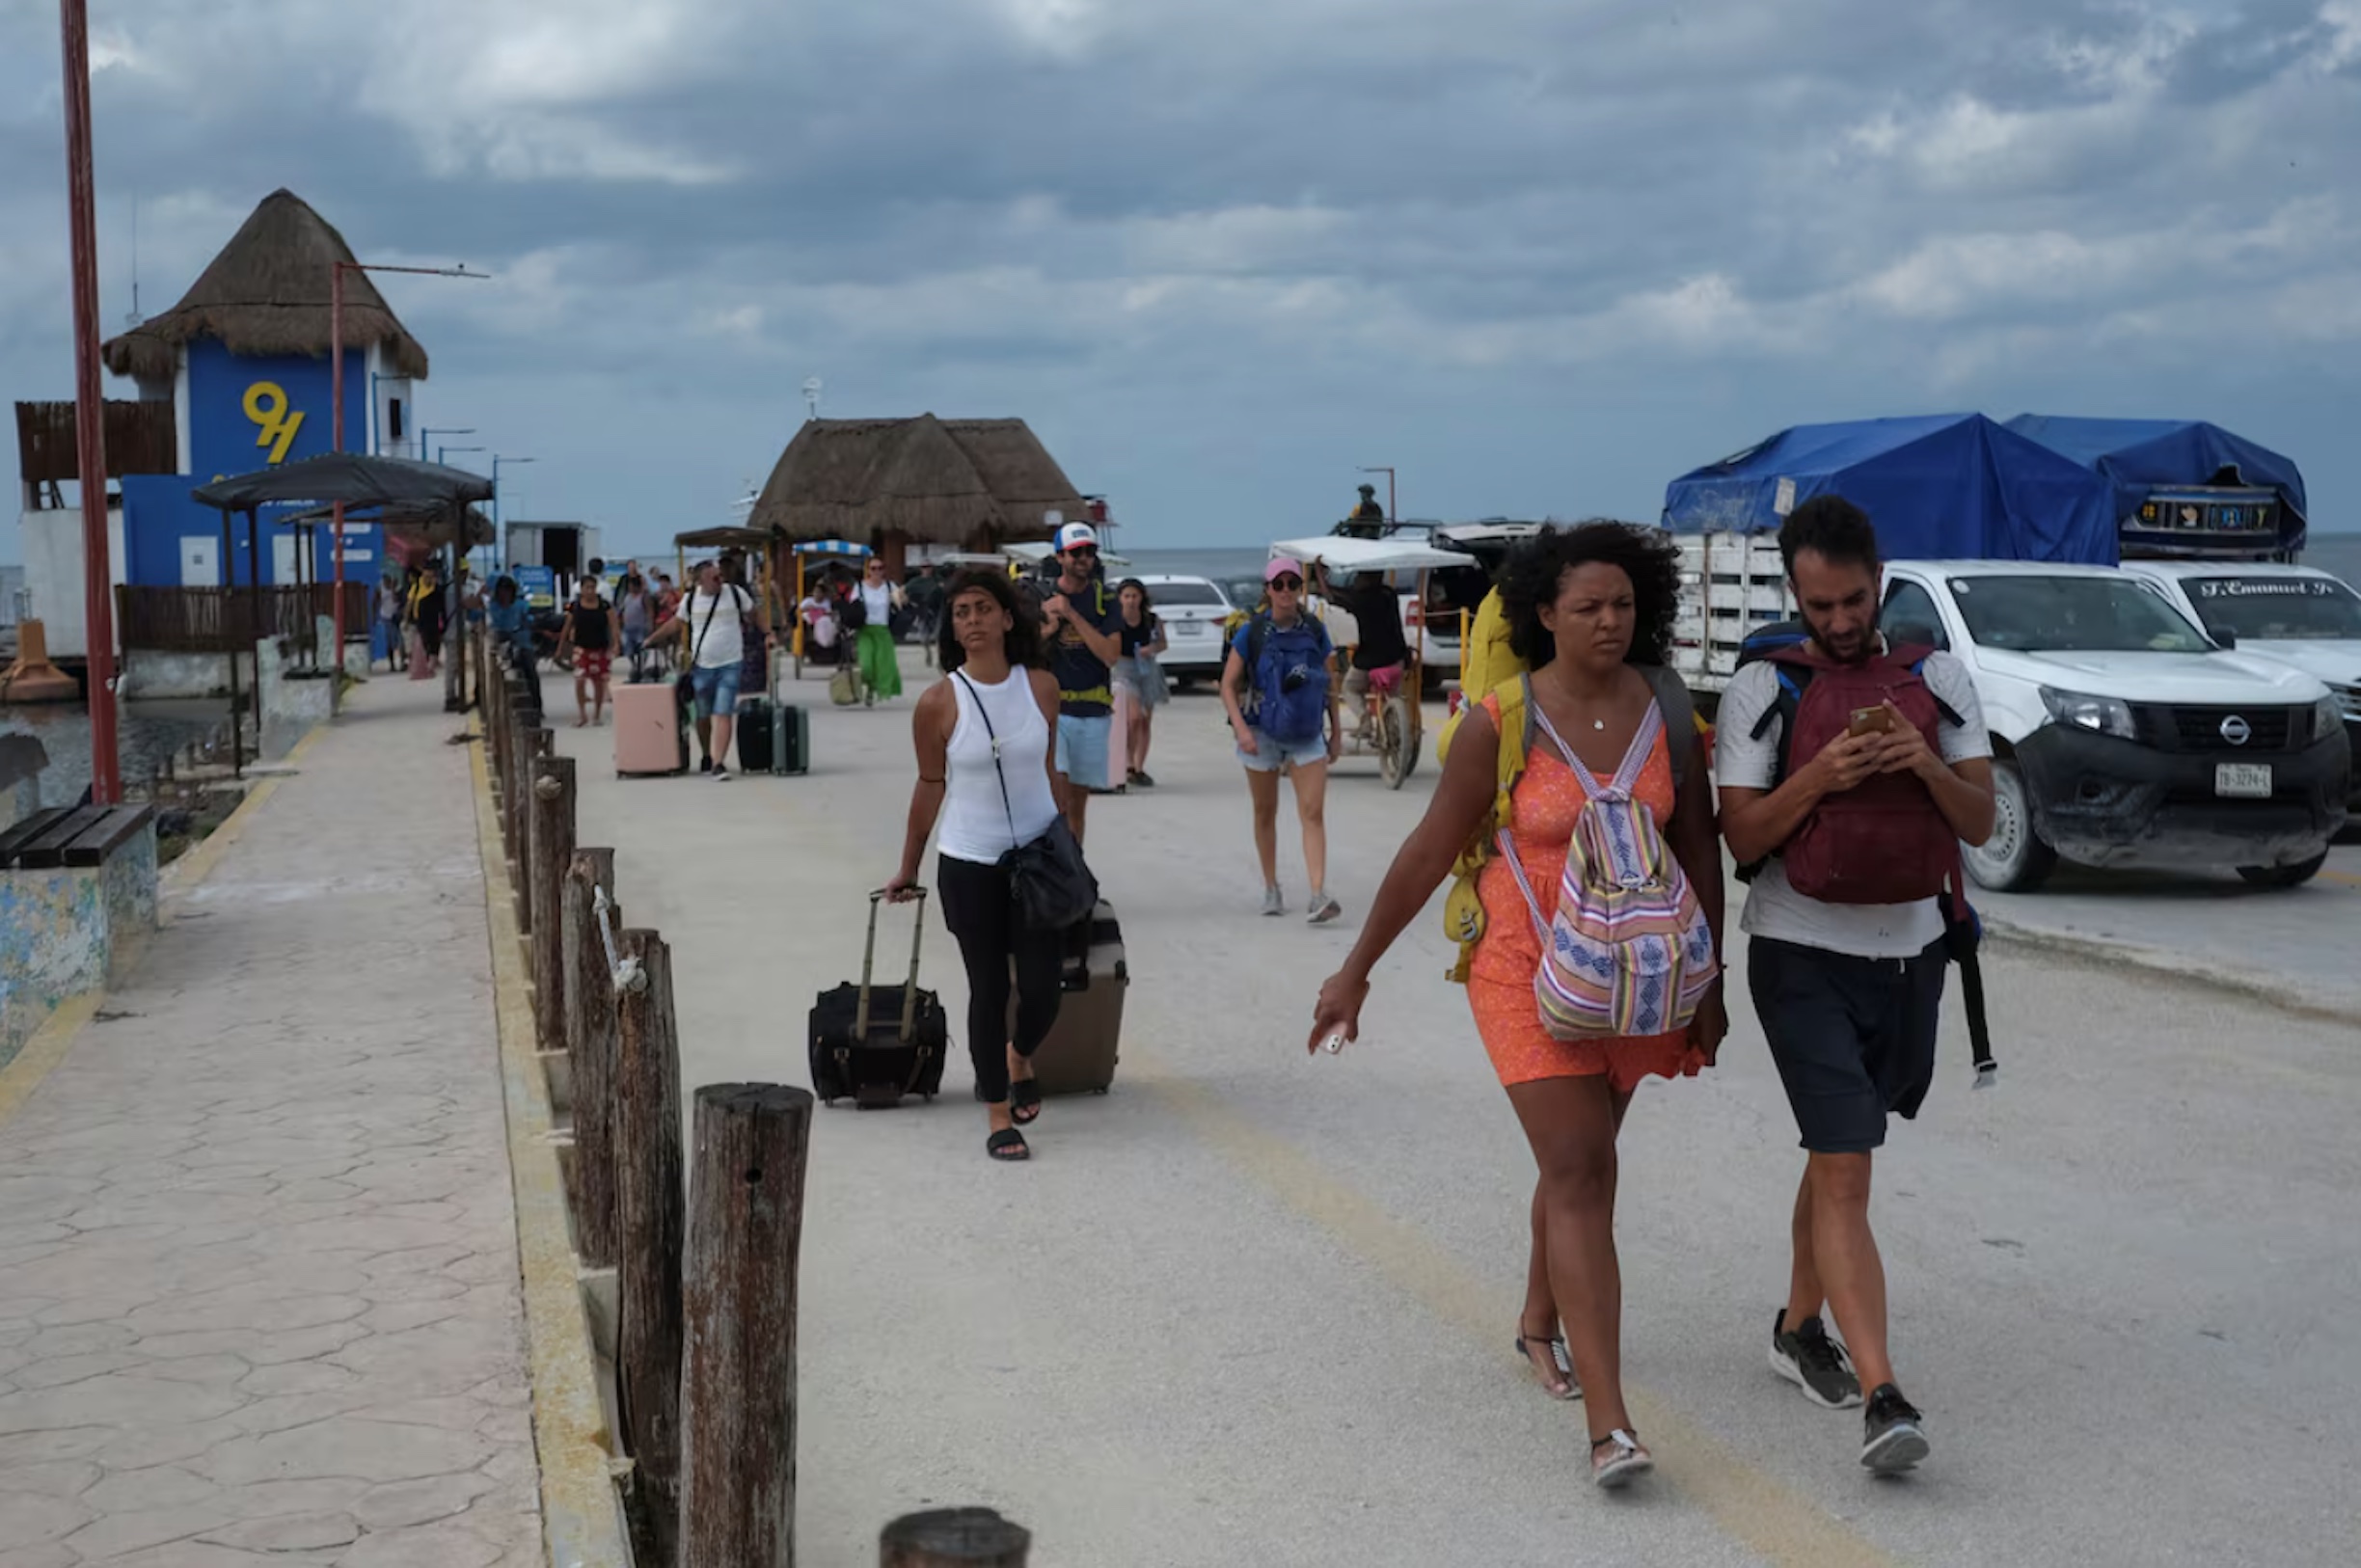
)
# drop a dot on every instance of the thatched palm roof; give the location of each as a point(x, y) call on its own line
point(267, 292)
point(935, 482)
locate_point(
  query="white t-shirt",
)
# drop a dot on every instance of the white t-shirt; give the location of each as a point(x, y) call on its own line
point(1774, 908)
point(721, 643)
point(877, 599)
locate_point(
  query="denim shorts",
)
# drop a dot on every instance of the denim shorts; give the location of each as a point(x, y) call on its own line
point(1268, 755)
point(1082, 747)
point(715, 688)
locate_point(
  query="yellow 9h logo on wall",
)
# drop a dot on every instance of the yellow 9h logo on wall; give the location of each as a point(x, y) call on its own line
point(266, 405)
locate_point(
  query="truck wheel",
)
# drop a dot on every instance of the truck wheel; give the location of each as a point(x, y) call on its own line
point(2294, 876)
point(2013, 859)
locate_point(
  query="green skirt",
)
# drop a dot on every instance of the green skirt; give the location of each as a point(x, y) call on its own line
point(880, 671)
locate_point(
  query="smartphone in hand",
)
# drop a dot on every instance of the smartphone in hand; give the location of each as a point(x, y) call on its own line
point(1870, 721)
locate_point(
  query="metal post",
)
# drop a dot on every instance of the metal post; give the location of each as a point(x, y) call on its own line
point(89, 408)
point(237, 742)
point(335, 402)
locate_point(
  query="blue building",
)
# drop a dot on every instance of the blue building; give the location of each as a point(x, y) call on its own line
point(243, 360)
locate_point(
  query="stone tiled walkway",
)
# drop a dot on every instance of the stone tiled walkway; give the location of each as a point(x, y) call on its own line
point(259, 1295)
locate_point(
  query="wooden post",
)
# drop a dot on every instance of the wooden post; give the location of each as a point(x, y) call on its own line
point(650, 1222)
point(954, 1538)
point(737, 1382)
point(591, 1036)
point(553, 851)
point(536, 751)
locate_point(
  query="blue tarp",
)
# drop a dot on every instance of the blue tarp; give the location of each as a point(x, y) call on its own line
point(1943, 485)
point(2140, 456)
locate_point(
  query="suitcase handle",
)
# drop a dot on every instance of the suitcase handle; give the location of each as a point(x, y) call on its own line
point(910, 992)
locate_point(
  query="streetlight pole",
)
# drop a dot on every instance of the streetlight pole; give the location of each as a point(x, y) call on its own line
point(445, 430)
point(89, 408)
point(336, 401)
point(1393, 513)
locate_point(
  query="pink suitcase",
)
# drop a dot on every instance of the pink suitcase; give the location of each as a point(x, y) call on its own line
point(648, 737)
point(1119, 742)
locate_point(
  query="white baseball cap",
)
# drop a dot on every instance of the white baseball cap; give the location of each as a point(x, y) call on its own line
point(1072, 535)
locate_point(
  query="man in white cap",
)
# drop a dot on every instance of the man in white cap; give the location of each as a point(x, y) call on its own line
point(1080, 620)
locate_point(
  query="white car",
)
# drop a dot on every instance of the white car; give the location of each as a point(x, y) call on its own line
point(2121, 734)
point(1193, 609)
point(2296, 614)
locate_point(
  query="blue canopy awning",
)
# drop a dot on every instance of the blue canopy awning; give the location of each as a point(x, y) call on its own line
point(1935, 486)
point(2139, 457)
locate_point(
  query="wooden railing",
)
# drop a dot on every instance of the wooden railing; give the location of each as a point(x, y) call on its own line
point(140, 438)
point(231, 620)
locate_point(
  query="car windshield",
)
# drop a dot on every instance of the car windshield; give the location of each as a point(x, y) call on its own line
point(1172, 595)
point(2277, 609)
point(2072, 614)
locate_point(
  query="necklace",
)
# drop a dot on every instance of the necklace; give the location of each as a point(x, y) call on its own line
point(1559, 683)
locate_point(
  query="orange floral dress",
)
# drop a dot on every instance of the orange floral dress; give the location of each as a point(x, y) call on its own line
point(1501, 971)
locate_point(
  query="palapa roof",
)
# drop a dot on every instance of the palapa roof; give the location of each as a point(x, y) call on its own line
point(267, 292)
point(938, 482)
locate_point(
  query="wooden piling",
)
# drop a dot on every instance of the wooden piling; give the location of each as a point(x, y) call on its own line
point(553, 851)
point(650, 1223)
point(738, 1381)
point(954, 1538)
point(536, 748)
point(591, 1039)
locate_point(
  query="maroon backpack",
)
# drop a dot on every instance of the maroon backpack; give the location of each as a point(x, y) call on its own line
point(1884, 840)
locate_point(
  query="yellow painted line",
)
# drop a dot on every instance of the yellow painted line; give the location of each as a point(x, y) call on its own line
point(198, 864)
point(49, 1045)
point(582, 1521)
point(1769, 1518)
point(2345, 876)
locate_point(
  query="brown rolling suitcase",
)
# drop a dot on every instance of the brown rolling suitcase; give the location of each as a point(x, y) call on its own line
point(1079, 1058)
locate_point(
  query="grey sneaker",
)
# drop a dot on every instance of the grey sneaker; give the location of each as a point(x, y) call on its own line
point(1893, 1437)
point(1274, 903)
point(1323, 910)
point(1808, 1358)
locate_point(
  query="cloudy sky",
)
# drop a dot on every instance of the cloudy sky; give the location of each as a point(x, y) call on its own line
point(1539, 255)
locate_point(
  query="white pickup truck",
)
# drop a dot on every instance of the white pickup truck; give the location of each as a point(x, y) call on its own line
point(2122, 735)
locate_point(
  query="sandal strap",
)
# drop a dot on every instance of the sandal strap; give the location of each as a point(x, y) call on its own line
point(1622, 1437)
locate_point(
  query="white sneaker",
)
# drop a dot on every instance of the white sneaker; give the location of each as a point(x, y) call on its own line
point(1323, 910)
point(1274, 903)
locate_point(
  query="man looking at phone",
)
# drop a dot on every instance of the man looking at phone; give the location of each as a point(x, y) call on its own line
point(1848, 993)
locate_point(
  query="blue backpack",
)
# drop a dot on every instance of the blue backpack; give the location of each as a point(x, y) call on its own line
point(1286, 671)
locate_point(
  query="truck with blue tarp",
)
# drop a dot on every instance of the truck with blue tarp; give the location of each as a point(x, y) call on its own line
point(2123, 732)
point(2183, 488)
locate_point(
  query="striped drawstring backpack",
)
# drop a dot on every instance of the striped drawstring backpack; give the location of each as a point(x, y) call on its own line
point(1629, 953)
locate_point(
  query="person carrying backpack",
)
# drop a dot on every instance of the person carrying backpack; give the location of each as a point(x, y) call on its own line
point(1851, 770)
point(1589, 925)
point(1279, 686)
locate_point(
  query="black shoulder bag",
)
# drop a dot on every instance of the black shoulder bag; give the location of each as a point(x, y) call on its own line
point(1050, 887)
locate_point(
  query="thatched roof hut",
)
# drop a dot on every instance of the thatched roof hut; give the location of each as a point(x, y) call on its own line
point(267, 292)
point(970, 482)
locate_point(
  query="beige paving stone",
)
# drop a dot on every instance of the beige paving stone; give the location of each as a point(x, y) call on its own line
point(58, 1478)
point(419, 1502)
point(47, 1554)
point(287, 1532)
point(347, 1445)
point(28, 1516)
point(328, 1494)
point(58, 1372)
point(41, 1447)
point(156, 1486)
point(429, 1546)
point(296, 1377)
point(141, 1447)
point(115, 1399)
point(116, 1534)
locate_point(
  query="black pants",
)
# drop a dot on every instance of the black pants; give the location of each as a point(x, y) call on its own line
point(976, 908)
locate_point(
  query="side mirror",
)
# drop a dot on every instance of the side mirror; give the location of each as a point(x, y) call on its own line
point(2225, 639)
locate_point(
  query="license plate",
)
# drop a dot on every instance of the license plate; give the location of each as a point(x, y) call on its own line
point(2244, 779)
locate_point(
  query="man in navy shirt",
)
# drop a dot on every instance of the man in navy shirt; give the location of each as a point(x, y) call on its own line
point(1081, 620)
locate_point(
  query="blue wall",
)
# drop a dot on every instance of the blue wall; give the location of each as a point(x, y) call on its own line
point(246, 414)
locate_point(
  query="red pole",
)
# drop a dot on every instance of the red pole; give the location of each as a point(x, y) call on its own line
point(89, 409)
point(335, 402)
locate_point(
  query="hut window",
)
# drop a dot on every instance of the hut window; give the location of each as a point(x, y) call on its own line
point(393, 419)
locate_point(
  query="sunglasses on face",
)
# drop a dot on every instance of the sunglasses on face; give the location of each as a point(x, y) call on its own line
point(1288, 584)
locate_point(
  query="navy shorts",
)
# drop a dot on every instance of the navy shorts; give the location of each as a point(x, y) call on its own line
point(1854, 1038)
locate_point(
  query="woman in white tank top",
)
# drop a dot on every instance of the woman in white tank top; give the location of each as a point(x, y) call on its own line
point(983, 735)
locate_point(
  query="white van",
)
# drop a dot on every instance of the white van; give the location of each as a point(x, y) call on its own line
point(2296, 614)
point(2122, 735)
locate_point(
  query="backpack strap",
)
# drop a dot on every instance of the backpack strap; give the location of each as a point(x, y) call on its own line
point(1679, 716)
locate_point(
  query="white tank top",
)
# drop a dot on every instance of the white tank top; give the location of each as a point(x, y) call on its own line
point(975, 822)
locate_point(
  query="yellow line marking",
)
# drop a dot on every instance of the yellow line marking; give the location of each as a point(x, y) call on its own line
point(1779, 1523)
point(49, 1045)
point(581, 1515)
point(2345, 876)
point(198, 864)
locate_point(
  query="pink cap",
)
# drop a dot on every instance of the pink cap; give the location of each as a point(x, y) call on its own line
point(1280, 566)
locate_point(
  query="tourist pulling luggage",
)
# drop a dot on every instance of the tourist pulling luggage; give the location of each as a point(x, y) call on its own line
point(878, 1043)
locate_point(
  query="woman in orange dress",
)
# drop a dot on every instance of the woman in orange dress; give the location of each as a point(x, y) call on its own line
point(1586, 607)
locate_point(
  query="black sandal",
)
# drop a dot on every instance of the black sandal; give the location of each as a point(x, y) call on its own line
point(1024, 1102)
point(1008, 1144)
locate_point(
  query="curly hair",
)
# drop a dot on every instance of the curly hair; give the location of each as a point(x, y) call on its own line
point(1529, 578)
point(1023, 640)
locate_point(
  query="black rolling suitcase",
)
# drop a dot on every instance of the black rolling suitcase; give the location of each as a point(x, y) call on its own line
point(878, 1043)
point(773, 738)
